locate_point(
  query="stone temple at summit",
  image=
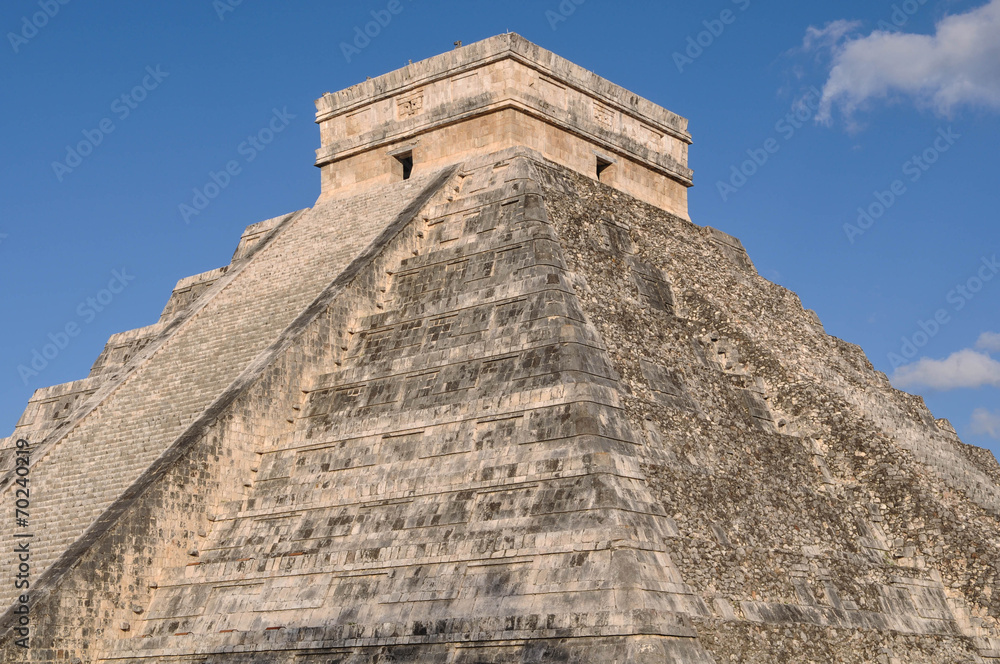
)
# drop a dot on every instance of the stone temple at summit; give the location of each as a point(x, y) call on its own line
point(495, 399)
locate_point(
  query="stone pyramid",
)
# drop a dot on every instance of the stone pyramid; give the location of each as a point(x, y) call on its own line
point(494, 398)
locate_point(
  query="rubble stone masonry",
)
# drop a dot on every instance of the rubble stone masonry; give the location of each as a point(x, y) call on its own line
point(514, 407)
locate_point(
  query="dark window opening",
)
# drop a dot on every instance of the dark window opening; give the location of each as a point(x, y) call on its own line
point(407, 162)
point(602, 167)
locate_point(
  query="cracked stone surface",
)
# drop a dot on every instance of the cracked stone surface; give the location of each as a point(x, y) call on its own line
point(498, 412)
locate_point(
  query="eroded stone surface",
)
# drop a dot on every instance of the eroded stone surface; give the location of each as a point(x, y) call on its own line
point(499, 412)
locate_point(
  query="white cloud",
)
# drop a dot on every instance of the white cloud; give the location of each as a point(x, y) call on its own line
point(985, 422)
point(989, 341)
point(829, 36)
point(966, 368)
point(957, 66)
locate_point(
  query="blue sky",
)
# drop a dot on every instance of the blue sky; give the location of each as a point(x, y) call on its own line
point(873, 126)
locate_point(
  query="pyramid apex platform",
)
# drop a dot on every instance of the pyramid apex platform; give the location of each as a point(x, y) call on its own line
point(498, 93)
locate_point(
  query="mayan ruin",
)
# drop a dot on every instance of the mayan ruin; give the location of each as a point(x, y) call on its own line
point(495, 398)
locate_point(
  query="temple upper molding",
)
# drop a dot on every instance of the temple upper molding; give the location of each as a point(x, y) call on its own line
point(494, 94)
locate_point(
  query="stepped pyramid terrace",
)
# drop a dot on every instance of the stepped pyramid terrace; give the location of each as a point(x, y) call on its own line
point(495, 398)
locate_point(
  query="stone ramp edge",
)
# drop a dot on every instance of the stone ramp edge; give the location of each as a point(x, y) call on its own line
point(48, 582)
point(47, 444)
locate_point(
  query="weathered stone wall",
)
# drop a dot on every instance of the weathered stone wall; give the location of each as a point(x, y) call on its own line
point(461, 485)
point(495, 94)
point(97, 457)
point(500, 412)
point(543, 419)
point(49, 409)
point(821, 514)
point(106, 577)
